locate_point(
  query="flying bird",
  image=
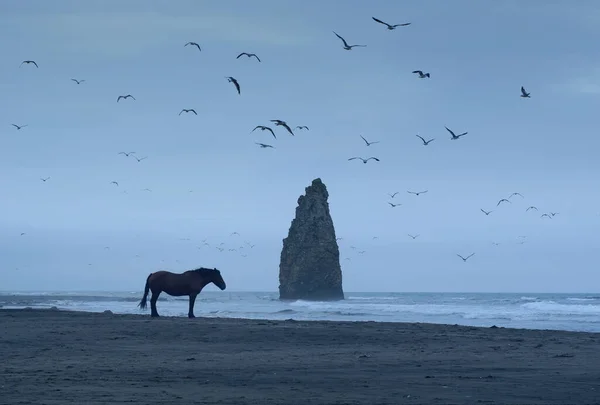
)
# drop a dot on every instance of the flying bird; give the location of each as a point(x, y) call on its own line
point(45, 179)
point(193, 44)
point(524, 94)
point(264, 145)
point(454, 136)
point(234, 233)
point(367, 142)
point(125, 97)
point(346, 46)
point(284, 124)
point(394, 194)
point(27, 62)
point(125, 153)
point(514, 194)
point(140, 159)
point(18, 126)
point(364, 160)
point(425, 143)
point(248, 55)
point(502, 200)
point(545, 215)
point(302, 127)
point(390, 27)
point(264, 128)
point(115, 183)
point(394, 205)
point(147, 189)
point(235, 83)
point(22, 234)
point(78, 81)
point(421, 74)
point(414, 237)
point(417, 192)
point(554, 213)
point(188, 110)
point(486, 212)
point(465, 258)
point(531, 208)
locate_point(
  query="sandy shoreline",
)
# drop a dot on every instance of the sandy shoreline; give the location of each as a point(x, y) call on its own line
point(56, 357)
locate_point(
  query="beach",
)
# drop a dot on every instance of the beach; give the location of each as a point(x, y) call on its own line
point(60, 357)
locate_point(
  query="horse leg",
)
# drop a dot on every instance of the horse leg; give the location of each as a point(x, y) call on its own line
point(192, 301)
point(153, 311)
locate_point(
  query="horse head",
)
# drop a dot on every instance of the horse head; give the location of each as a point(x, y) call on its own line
point(215, 277)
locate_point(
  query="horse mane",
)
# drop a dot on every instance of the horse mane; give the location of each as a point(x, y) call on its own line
point(202, 270)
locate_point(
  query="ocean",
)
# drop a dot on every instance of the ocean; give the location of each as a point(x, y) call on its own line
point(574, 312)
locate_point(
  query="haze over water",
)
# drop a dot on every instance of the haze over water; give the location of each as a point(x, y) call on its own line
point(209, 179)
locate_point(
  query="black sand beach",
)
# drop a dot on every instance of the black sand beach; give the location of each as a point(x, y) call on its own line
point(55, 357)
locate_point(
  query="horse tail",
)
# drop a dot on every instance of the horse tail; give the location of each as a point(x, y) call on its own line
point(142, 303)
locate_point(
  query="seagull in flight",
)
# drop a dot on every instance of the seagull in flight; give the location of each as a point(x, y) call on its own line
point(545, 215)
point(248, 55)
point(264, 128)
point(514, 194)
point(417, 192)
point(531, 208)
point(414, 237)
point(125, 97)
point(367, 142)
point(115, 183)
point(394, 205)
point(188, 110)
point(486, 212)
point(421, 74)
point(302, 127)
point(264, 145)
point(193, 44)
point(18, 126)
point(125, 153)
point(45, 179)
point(524, 94)
point(140, 159)
point(78, 81)
point(454, 136)
point(554, 213)
point(390, 27)
point(503, 200)
point(364, 160)
point(235, 83)
point(346, 46)
point(394, 194)
point(284, 124)
point(465, 258)
point(425, 143)
point(27, 62)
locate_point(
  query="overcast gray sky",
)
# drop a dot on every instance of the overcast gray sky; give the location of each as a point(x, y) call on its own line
point(209, 179)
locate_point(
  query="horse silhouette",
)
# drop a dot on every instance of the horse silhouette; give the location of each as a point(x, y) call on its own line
point(189, 283)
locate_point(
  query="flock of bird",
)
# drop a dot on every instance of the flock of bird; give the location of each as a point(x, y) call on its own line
point(272, 130)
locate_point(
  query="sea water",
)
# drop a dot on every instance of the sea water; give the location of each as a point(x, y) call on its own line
point(575, 312)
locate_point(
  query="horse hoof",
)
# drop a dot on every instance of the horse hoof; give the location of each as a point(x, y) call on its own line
point(191, 316)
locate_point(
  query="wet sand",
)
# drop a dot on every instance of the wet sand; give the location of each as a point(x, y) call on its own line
point(56, 357)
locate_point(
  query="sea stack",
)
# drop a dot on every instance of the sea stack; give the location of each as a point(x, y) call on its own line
point(310, 259)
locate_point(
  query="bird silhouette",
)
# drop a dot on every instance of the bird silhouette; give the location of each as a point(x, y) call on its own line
point(78, 81)
point(393, 194)
point(421, 74)
point(531, 208)
point(524, 94)
point(235, 83)
point(18, 126)
point(44, 179)
point(188, 110)
point(126, 153)
point(115, 183)
point(389, 26)
point(414, 237)
point(250, 55)
point(486, 212)
point(27, 62)
point(346, 46)
point(425, 143)
point(140, 159)
point(367, 142)
point(264, 128)
point(193, 44)
point(514, 194)
point(364, 160)
point(264, 145)
point(417, 192)
point(465, 258)
point(503, 200)
point(302, 127)
point(545, 215)
point(284, 124)
point(454, 136)
point(125, 97)
point(393, 205)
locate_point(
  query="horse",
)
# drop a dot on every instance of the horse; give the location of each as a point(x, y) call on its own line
point(188, 283)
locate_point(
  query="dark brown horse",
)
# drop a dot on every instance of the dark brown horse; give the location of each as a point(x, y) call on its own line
point(188, 283)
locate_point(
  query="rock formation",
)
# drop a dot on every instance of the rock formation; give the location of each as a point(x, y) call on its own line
point(310, 259)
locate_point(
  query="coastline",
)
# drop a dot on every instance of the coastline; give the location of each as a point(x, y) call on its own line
point(94, 358)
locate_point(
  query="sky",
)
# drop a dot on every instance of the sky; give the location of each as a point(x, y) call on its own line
point(208, 178)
